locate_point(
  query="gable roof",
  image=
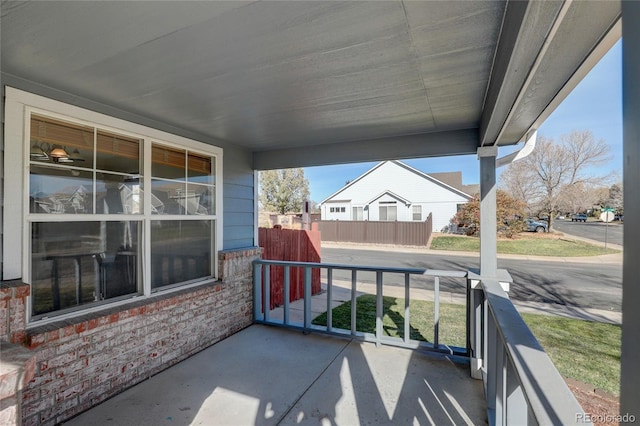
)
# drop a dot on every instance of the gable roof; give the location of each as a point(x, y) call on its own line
point(447, 176)
point(393, 195)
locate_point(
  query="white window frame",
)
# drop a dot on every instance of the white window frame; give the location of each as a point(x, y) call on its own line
point(414, 212)
point(19, 105)
point(354, 213)
point(386, 206)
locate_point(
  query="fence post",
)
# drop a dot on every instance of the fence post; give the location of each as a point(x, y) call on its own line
point(354, 283)
point(436, 312)
point(266, 296)
point(307, 297)
point(379, 307)
point(287, 290)
point(329, 299)
point(257, 291)
point(407, 313)
point(475, 324)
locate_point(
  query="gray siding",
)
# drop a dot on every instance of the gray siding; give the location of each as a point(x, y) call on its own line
point(239, 204)
point(238, 214)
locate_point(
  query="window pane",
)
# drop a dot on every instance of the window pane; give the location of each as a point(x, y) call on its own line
point(417, 212)
point(60, 190)
point(117, 153)
point(382, 213)
point(392, 213)
point(168, 197)
point(118, 194)
point(199, 199)
point(200, 169)
point(79, 263)
point(73, 144)
point(180, 251)
point(168, 163)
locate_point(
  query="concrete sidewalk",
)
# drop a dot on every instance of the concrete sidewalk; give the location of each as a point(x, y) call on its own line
point(274, 376)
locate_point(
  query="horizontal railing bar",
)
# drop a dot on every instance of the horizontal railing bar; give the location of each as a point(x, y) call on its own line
point(549, 398)
point(341, 266)
point(371, 338)
point(444, 273)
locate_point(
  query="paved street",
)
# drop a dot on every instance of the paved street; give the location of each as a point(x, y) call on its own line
point(584, 285)
point(592, 230)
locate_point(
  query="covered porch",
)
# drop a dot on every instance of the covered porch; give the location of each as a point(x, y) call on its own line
point(273, 376)
point(289, 84)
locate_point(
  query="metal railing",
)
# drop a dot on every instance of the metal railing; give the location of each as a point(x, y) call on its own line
point(261, 312)
point(522, 386)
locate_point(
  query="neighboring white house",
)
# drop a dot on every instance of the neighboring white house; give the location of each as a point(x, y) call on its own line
point(393, 191)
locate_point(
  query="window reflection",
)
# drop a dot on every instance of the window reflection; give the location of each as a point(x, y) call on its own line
point(79, 263)
point(54, 141)
point(180, 251)
point(54, 190)
point(119, 194)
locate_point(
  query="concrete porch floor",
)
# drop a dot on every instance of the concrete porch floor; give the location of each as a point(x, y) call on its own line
point(273, 376)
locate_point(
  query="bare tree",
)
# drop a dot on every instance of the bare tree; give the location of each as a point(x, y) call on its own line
point(580, 197)
point(519, 180)
point(548, 175)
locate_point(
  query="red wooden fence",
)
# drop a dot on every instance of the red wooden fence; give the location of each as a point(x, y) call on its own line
point(294, 245)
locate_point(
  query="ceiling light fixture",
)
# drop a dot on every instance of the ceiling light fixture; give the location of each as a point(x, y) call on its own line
point(59, 154)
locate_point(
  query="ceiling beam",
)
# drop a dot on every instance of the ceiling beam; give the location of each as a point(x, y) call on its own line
point(457, 142)
point(538, 65)
point(524, 30)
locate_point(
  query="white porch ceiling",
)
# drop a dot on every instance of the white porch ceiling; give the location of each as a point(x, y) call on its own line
point(309, 83)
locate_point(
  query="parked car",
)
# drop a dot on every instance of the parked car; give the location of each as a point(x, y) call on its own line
point(579, 218)
point(536, 225)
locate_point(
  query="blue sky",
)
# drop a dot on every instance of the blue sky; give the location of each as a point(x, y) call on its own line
point(595, 104)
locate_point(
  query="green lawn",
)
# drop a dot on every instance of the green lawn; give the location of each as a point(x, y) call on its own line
point(583, 350)
point(554, 247)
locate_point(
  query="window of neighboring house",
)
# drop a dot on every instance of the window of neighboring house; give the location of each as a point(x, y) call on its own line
point(417, 212)
point(388, 213)
point(88, 217)
point(332, 209)
point(358, 213)
point(343, 209)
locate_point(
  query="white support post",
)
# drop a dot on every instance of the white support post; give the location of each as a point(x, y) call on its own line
point(488, 227)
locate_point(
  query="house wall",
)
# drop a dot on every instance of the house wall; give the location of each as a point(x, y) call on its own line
point(327, 214)
point(434, 198)
point(80, 362)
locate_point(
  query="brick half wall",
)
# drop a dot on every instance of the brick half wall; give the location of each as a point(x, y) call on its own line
point(83, 361)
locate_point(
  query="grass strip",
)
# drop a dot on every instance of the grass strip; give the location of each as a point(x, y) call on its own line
point(530, 246)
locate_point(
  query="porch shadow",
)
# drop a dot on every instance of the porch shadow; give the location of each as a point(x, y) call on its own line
point(266, 376)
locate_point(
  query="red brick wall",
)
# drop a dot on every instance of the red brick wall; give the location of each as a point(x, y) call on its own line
point(83, 361)
point(13, 302)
